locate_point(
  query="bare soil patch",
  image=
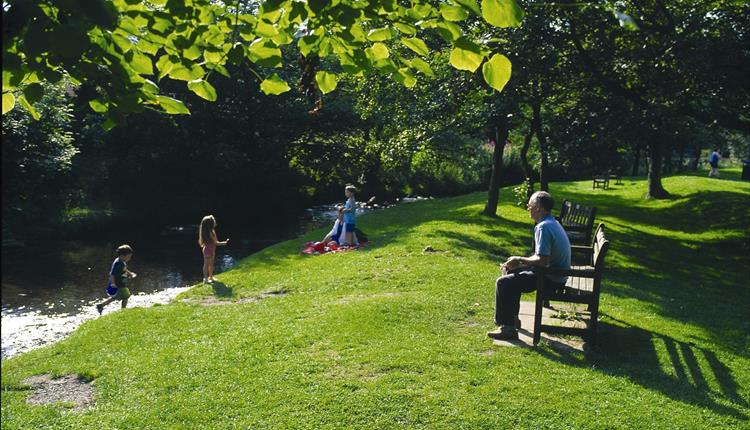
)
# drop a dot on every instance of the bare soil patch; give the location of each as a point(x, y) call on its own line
point(214, 301)
point(73, 390)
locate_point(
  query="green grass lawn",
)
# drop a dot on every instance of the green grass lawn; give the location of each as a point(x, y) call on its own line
point(391, 337)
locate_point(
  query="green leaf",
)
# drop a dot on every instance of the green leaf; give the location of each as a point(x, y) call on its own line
point(9, 102)
point(386, 66)
point(109, 124)
point(7, 77)
point(378, 51)
point(265, 53)
point(122, 42)
point(183, 73)
point(203, 89)
point(274, 85)
point(172, 106)
point(405, 28)
point(165, 66)
point(453, 13)
point(502, 13)
point(466, 55)
point(448, 31)
point(147, 47)
point(422, 66)
point(417, 45)
point(405, 76)
point(33, 92)
point(470, 5)
point(25, 103)
point(380, 34)
point(98, 106)
point(283, 38)
point(307, 43)
point(219, 68)
point(265, 29)
point(192, 52)
point(419, 11)
point(142, 64)
point(213, 56)
point(327, 81)
point(497, 71)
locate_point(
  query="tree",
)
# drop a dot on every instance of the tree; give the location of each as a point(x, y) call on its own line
point(37, 158)
point(658, 69)
point(124, 48)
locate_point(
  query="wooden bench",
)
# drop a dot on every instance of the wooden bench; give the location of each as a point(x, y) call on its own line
point(601, 181)
point(583, 286)
point(577, 220)
point(617, 177)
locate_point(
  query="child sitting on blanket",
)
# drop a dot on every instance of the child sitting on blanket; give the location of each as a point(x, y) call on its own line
point(331, 241)
point(338, 228)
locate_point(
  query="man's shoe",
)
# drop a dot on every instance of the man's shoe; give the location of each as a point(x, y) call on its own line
point(509, 334)
point(518, 324)
point(100, 308)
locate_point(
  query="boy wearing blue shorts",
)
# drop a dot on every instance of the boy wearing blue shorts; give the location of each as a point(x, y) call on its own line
point(350, 210)
point(117, 275)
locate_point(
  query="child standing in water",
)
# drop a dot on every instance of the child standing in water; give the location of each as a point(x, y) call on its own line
point(350, 209)
point(208, 241)
point(116, 288)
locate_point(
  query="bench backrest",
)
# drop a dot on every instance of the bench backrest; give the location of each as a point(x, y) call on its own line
point(575, 216)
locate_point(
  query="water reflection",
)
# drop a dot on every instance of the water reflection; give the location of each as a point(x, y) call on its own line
point(49, 289)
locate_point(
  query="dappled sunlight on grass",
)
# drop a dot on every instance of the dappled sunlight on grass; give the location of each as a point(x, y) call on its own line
point(395, 332)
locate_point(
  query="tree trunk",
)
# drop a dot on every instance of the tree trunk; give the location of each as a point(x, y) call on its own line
point(501, 136)
point(667, 149)
point(698, 150)
point(655, 189)
point(525, 162)
point(536, 124)
point(681, 161)
point(637, 161)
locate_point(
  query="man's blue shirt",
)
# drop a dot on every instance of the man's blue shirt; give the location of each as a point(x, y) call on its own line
point(550, 239)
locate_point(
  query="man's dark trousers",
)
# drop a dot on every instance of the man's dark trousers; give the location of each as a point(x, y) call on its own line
point(508, 290)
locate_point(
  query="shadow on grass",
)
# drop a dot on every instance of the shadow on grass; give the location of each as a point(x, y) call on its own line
point(690, 281)
point(726, 174)
point(631, 352)
point(697, 213)
point(221, 289)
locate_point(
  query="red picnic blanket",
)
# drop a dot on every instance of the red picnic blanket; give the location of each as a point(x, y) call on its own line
point(316, 248)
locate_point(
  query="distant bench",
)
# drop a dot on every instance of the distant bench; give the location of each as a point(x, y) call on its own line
point(617, 177)
point(601, 181)
point(583, 286)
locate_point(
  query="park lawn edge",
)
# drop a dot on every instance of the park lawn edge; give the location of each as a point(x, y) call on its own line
point(390, 336)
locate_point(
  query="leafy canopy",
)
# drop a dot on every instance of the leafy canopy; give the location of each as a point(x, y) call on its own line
point(126, 48)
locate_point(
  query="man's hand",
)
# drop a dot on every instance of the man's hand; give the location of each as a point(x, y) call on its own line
point(512, 263)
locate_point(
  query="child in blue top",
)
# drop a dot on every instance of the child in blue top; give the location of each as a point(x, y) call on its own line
point(350, 209)
point(713, 160)
point(117, 275)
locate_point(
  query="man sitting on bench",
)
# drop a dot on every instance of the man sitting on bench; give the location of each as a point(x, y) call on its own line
point(551, 249)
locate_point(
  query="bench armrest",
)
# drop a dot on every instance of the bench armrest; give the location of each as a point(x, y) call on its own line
point(580, 273)
point(581, 249)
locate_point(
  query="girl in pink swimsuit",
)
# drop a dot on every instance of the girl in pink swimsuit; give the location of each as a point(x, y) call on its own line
point(208, 241)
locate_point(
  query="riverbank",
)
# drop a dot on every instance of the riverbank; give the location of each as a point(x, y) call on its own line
point(391, 336)
point(50, 288)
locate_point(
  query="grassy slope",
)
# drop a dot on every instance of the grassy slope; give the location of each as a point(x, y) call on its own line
point(390, 336)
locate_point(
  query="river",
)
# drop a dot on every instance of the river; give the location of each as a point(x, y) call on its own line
point(49, 289)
